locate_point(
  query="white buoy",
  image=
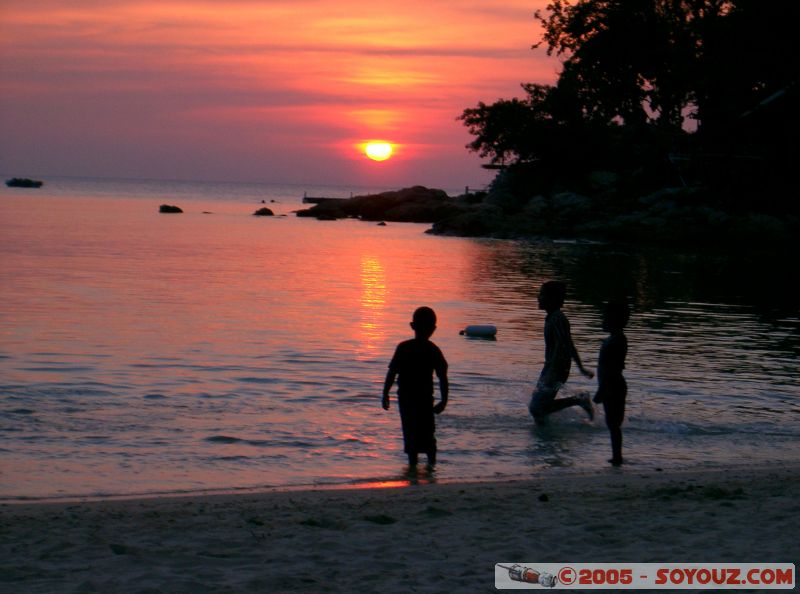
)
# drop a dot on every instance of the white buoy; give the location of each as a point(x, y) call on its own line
point(480, 331)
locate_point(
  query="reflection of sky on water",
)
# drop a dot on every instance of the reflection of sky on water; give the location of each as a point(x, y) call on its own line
point(144, 352)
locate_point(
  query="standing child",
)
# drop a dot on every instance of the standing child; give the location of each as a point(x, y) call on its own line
point(612, 387)
point(414, 364)
point(559, 351)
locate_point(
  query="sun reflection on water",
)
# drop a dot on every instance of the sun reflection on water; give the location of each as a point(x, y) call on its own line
point(373, 303)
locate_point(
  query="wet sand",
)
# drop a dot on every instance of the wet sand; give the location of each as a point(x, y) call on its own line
point(421, 538)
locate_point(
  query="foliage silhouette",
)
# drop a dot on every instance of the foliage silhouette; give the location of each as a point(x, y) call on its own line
point(663, 93)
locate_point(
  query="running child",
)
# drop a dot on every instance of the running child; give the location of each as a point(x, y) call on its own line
point(559, 352)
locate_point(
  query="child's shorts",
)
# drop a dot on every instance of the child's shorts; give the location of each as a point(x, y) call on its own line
point(542, 397)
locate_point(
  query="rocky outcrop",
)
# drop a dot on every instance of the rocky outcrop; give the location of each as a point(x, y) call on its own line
point(263, 212)
point(417, 204)
point(667, 216)
point(675, 216)
point(169, 208)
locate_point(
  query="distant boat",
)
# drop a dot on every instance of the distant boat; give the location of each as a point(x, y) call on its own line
point(23, 182)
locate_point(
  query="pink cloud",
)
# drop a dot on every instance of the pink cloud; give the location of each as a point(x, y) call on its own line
point(128, 80)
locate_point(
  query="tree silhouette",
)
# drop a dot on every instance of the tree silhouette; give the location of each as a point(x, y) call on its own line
point(637, 73)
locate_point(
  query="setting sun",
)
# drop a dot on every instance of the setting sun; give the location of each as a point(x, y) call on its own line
point(378, 151)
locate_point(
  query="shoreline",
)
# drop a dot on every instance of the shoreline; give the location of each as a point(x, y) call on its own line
point(400, 480)
point(432, 538)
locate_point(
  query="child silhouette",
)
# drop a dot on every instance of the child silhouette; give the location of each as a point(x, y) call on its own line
point(413, 365)
point(612, 387)
point(559, 351)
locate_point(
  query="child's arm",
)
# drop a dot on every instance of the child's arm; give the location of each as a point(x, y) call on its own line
point(444, 388)
point(387, 386)
point(564, 334)
point(587, 372)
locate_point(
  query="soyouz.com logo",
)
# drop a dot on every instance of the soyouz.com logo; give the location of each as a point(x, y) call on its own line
point(639, 576)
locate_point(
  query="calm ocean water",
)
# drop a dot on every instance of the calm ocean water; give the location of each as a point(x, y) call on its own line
point(151, 353)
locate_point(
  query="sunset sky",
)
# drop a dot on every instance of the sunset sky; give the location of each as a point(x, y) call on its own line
point(257, 90)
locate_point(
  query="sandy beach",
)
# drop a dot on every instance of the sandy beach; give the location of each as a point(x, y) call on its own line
point(412, 538)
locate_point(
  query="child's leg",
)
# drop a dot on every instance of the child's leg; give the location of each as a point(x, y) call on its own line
point(562, 403)
point(615, 413)
point(410, 441)
point(432, 457)
point(542, 401)
point(582, 400)
point(616, 445)
point(428, 436)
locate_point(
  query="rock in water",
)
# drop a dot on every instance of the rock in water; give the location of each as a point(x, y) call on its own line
point(23, 182)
